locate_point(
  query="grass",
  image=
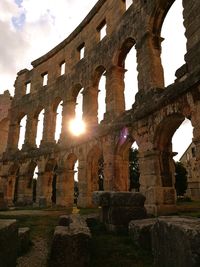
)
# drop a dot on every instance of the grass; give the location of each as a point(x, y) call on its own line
point(116, 250)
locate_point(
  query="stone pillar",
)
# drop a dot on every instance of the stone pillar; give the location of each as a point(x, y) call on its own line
point(44, 189)
point(115, 103)
point(109, 158)
point(13, 137)
point(10, 189)
point(68, 114)
point(31, 131)
point(87, 182)
point(65, 188)
point(192, 33)
point(194, 185)
point(160, 198)
point(150, 71)
point(122, 180)
point(49, 127)
point(90, 106)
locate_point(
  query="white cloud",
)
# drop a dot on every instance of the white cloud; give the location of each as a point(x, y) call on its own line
point(31, 29)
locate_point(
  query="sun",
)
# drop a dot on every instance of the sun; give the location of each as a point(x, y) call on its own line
point(77, 127)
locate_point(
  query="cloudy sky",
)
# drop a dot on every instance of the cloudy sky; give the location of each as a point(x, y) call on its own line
point(30, 28)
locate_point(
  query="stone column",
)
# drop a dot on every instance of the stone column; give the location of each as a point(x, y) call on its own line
point(31, 131)
point(13, 137)
point(49, 127)
point(90, 106)
point(85, 185)
point(65, 188)
point(160, 196)
point(150, 71)
point(115, 103)
point(194, 185)
point(122, 180)
point(10, 189)
point(192, 33)
point(109, 158)
point(44, 189)
point(68, 114)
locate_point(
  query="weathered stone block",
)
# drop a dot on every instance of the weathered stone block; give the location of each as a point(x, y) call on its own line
point(64, 220)
point(176, 242)
point(24, 239)
point(119, 208)
point(8, 243)
point(71, 243)
point(140, 232)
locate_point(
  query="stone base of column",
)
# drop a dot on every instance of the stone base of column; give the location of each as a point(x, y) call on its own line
point(3, 204)
point(85, 202)
point(160, 200)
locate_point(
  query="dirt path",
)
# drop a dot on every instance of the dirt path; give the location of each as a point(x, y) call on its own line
point(37, 255)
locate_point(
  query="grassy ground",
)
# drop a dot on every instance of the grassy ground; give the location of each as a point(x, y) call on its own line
point(116, 250)
point(108, 250)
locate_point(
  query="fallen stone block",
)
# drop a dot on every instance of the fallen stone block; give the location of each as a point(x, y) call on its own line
point(140, 232)
point(176, 242)
point(8, 243)
point(71, 244)
point(119, 208)
point(64, 220)
point(24, 240)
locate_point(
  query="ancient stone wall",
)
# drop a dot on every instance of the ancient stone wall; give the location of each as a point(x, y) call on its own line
point(151, 126)
point(5, 103)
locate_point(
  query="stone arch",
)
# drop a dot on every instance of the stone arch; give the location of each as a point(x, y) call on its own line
point(163, 144)
point(94, 159)
point(98, 96)
point(122, 152)
point(30, 187)
point(124, 50)
point(36, 129)
point(158, 15)
point(56, 117)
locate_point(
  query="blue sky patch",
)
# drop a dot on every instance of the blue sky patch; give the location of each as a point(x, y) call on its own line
point(18, 22)
point(18, 2)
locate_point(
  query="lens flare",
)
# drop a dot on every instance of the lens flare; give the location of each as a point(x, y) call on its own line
point(77, 127)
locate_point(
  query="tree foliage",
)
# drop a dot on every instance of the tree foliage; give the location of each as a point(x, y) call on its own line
point(181, 179)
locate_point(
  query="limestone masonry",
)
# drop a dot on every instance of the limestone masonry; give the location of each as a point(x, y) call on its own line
point(156, 114)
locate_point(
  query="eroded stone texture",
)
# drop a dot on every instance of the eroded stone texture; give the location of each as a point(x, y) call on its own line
point(70, 245)
point(155, 115)
point(119, 208)
point(176, 242)
point(140, 232)
point(8, 243)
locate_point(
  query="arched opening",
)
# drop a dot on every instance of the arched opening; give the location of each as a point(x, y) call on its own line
point(22, 131)
point(58, 111)
point(102, 97)
point(165, 142)
point(174, 43)
point(77, 125)
point(50, 181)
point(127, 163)
point(95, 170)
point(127, 59)
point(72, 176)
point(40, 126)
point(34, 184)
